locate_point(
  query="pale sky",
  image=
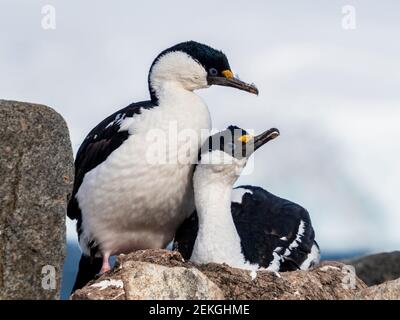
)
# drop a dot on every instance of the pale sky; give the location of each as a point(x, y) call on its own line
point(333, 92)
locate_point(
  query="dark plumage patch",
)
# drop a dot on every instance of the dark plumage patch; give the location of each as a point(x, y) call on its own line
point(263, 221)
point(186, 235)
point(88, 269)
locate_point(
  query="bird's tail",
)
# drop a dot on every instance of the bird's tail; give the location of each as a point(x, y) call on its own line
point(89, 267)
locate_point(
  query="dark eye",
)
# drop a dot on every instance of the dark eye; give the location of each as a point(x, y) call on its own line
point(213, 71)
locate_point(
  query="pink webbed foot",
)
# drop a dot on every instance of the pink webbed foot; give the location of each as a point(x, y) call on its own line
point(106, 265)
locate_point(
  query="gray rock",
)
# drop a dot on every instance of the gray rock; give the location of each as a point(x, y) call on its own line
point(389, 290)
point(36, 176)
point(149, 273)
point(377, 268)
point(108, 286)
point(329, 281)
point(138, 280)
point(149, 281)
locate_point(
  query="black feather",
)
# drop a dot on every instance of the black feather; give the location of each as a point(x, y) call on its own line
point(263, 221)
point(89, 267)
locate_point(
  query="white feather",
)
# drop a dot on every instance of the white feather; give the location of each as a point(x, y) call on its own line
point(217, 239)
point(313, 258)
point(238, 193)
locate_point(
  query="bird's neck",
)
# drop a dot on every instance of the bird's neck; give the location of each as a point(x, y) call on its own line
point(217, 239)
point(170, 91)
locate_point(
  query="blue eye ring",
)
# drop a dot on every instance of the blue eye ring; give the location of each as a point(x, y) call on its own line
point(213, 71)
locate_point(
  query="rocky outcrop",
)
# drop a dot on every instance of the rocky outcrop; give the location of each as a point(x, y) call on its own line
point(151, 274)
point(161, 274)
point(377, 268)
point(148, 280)
point(389, 290)
point(36, 170)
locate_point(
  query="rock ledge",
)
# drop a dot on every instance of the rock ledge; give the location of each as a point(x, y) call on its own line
point(162, 274)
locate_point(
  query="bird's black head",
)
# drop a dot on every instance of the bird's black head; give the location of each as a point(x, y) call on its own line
point(194, 66)
point(214, 61)
point(236, 142)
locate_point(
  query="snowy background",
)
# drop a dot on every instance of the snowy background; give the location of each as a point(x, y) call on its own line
point(334, 93)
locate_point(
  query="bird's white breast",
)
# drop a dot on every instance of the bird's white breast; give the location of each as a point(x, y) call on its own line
point(129, 203)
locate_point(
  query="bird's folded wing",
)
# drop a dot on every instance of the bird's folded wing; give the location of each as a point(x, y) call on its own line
point(106, 137)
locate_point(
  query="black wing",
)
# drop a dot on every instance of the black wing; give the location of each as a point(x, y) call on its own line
point(186, 235)
point(98, 145)
point(266, 222)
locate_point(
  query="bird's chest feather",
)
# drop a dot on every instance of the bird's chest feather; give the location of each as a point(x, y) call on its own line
point(146, 184)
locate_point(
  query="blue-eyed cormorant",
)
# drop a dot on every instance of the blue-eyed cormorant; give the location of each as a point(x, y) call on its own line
point(246, 227)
